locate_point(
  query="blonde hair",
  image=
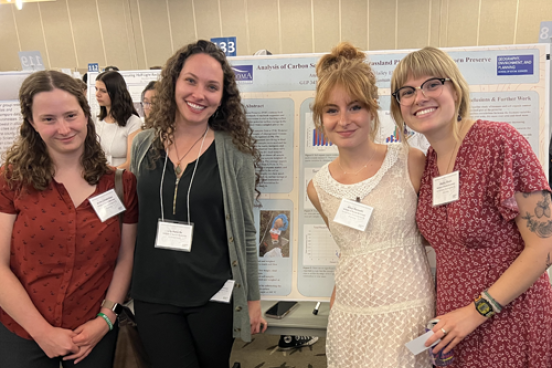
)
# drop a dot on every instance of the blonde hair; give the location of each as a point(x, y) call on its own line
point(345, 66)
point(430, 61)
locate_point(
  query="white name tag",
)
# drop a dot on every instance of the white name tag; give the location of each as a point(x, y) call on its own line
point(353, 214)
point(174, 235)
point(224, 294)
point(417, 345)
point(107, 205)
point(446, 188)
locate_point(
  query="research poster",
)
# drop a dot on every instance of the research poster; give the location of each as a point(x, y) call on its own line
point(507, 83)
point(10, 111)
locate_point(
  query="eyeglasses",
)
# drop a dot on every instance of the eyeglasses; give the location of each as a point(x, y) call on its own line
point(146, 105)
point(430, 88)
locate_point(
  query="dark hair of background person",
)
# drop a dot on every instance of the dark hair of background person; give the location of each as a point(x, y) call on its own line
point(122, 106)
point(28, 159)
point(229, 117)
point(85, 78)
point(111, 68)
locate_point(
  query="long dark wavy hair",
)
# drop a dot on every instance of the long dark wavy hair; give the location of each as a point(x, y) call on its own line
point(27, 162)
point(122, 106)
point(230, 116)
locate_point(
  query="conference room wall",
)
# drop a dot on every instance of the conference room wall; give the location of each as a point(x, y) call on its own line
point(137, 34)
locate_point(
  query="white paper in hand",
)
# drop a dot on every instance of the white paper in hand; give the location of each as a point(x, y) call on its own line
point(417, 346)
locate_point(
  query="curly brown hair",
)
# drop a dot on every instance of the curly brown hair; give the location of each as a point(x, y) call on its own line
point(230, 116)
point(122, 107)
point(345, 66)
point(28, 160)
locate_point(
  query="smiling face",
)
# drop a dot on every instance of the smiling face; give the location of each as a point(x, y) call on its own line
point(101, 94)
point(346, 122)
point(60, 121)
point(198, 90)
point(427, 114)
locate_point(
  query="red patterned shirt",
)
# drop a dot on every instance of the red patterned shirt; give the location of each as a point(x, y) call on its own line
point(476, 239)
point(63, 256)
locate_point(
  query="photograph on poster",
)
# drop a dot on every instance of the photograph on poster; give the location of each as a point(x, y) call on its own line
point(274, 230)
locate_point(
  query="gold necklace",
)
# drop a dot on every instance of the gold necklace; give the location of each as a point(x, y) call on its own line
point(177, 168)
point(362, 168)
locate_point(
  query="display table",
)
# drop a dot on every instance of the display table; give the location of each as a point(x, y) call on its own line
point(300, 321)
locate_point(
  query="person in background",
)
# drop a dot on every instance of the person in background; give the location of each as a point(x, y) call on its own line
point(489, 221)
point(83, 86)
point(148, 96)
point(118, 121)
point(384, 291)
point(111, 68)
point(195, 285)
point(63, 268)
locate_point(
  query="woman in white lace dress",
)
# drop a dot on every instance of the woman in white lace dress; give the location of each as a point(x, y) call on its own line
point(384, 293)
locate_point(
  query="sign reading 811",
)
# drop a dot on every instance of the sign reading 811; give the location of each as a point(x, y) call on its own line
point(226, 44)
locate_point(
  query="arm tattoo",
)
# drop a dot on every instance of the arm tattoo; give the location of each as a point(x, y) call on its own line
point(543, 207)
point(541, 229)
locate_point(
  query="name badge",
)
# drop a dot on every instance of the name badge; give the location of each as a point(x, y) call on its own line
point(174, 235)
point(107, 205)
point(446, 188)
point(353, 214)
point(224, 294)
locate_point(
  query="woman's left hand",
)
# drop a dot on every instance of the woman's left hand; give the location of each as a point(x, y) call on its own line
point(458, 324)
point(258, 323)
point(88, 335)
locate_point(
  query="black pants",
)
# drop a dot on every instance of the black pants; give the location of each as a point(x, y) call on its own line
point(186, 337)
point(18, 352)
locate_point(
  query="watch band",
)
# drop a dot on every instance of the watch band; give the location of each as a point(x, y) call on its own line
point(114, 307)
point(484, 307)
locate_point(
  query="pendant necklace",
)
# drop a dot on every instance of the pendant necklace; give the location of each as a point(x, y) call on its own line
point(362, 168)
point(177, 168)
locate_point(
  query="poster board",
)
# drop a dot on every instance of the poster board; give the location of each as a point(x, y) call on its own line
point(10, 111)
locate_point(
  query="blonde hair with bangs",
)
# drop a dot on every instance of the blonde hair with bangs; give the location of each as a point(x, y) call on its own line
point(430, 61)
point(345, 66)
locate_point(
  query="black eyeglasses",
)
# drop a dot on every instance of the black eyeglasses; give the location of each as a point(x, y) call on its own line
point(432, 87)
point(146, 105)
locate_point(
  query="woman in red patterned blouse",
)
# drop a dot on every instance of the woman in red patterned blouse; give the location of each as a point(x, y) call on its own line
point(64, 267)
point(484, 205)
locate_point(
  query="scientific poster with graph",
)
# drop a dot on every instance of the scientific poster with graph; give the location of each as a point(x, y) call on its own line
point(297, 254)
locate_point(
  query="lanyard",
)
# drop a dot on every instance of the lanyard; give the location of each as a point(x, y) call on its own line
point(178, 180)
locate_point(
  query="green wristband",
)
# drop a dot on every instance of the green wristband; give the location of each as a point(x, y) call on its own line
point(496, 305)
point(107, 320)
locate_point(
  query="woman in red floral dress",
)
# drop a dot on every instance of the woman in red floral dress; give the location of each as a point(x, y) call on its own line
point(484, 205)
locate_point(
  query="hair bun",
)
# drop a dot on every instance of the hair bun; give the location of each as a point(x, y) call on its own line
point(348, 51)
point(343, 52)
